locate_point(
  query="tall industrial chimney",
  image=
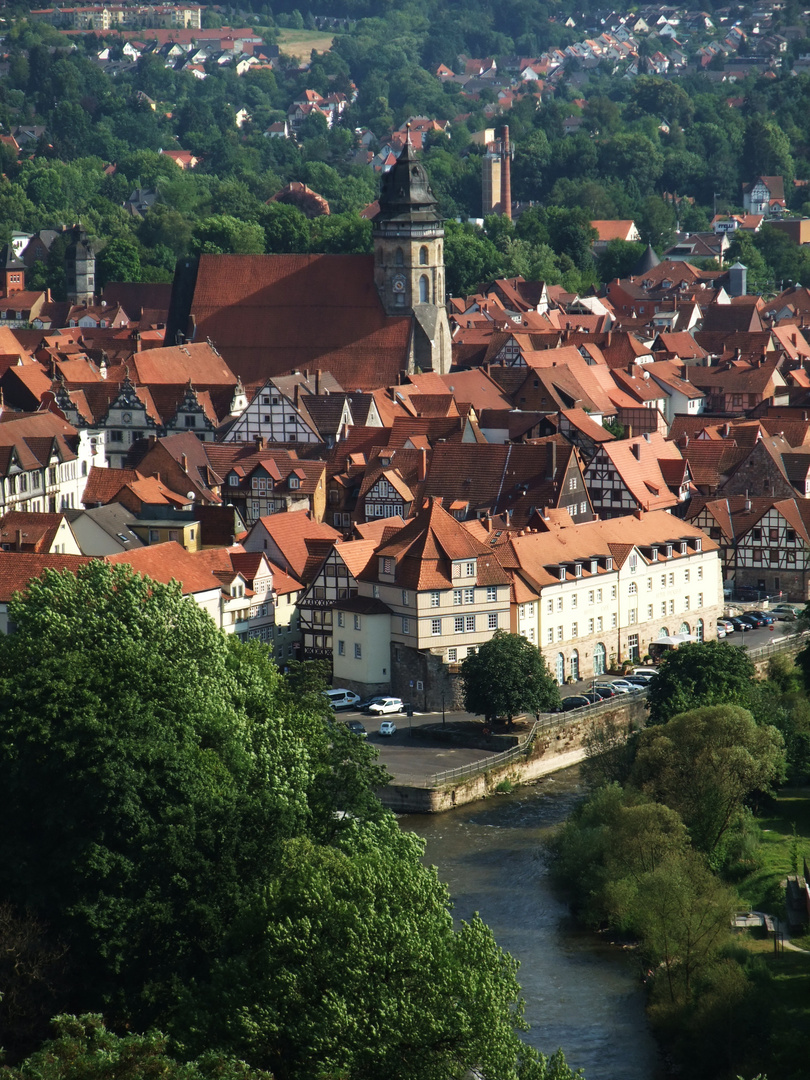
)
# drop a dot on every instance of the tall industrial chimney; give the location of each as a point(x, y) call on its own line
point(506, 175)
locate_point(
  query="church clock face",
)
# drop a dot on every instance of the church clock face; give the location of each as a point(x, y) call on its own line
point(399, 284)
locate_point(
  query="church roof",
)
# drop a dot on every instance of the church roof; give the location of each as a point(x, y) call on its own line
point(405, 193)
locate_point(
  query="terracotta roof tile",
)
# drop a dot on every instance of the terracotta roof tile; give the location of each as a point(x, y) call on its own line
point(17, 568)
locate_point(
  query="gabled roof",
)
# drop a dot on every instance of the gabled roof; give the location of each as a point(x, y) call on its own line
point(169, 562)
point(292, 534)
point(35, 532)
point(104, 484)
point(424, 550)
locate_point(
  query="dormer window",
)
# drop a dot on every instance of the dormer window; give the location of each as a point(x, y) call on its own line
point(609, 563)
point(594, 566)
point(654, 554)
point(683, 547)
point(698, 543)
point(469, 569)
point(578, 569)
point(233, 480)
point(669, 551)
point(562, 573)
point(294, 482)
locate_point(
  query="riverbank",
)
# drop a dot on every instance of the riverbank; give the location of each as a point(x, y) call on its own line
point(553, 748)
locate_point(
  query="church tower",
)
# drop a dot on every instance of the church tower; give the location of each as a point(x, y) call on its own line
point(409, 259)
point(80, 268)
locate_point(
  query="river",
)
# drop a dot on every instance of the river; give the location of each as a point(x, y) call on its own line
point(580, 995)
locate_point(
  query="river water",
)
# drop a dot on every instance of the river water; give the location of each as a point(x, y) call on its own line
point(579, 995)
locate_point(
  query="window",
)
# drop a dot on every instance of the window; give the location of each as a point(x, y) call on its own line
point(663, 581)
point(649, 611)
point(375, 591)
point(357, 622)
point(435, 598)
point(614, 619)
point(672, 579)
point(559, 633)
point(686, 575)
point(583, 508)
point(458, 624)
point(341, 648)
point(424, 289)
point(549, 606)
point(116, 436)
point(405, 597)
point(559, 603)
point(469, 569)
point(469, 624)
point(672, 607)
point(492, 594)
point(632, 589)
point(700, 600)
point(233, 480)
point(190, 421)
point(599, 624)
point(590, 626)
point(423, 256)
point(452, 654)
point(632, 615)
point(456, 596)
point(663, 607)
point(649, 584)
point(574, 600)
point(612, 592)
point(469, 596)
point(599, 596)
point(574, 629)
point(590, 596)
point(632, 646)
point(550, 635)
point(406, 625)
point(700, 573)
point(492, 621)
point(686, 602)
point(358, 651)
point(633, 563)
point(572, 484)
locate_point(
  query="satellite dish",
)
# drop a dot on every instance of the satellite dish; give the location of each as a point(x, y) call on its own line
point(190, 495)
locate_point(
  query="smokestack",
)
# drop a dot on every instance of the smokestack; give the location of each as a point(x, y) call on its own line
point(422, 463)
point(506, 175)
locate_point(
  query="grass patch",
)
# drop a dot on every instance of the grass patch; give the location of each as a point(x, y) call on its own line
point(762, 888)
point(300, 43)
point(504, 787)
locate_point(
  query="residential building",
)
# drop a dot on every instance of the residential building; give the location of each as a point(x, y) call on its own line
point(44, 463)
point(644, 473)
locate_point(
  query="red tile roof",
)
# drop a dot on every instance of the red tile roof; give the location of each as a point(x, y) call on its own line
point(17, 568)
point(269, 314)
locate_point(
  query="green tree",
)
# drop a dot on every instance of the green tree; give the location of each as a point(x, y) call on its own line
point(222, 234)
point(618, 259)
point(704, 764)
point(148, 791)
point(120, 260)
point(702, 673)
point(352, 942)
point(506, 676)
point(83, 1049)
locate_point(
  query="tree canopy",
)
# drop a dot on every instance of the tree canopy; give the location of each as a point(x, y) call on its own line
point(699, 674)
point(192, 841)
point(508, 675)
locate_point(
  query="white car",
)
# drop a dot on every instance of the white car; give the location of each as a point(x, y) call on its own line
point(386, 705)
point(388, 727)
point(724, 624)
point(622, 687)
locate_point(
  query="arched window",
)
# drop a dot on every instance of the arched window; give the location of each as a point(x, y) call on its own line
point(423, 256)
point(575, 665)
point(599, 655)
point(559, 668)
point(684, 628)
point(663, 632)
point(424, 286)
point(399, 258)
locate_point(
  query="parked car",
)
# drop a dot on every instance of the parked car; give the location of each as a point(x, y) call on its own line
point(765, 617)
point(741, 624)
point(756, 618)
point(366, 703)
point(341, 699)
point(356, 728)
point(606, 690)
point(388, 727)
point(637, 681)
point(386, 705)
point(578, 701)
point(725, 624)
point(642, 673)
point(593, 697)
point(787, 612)
point(622, 686)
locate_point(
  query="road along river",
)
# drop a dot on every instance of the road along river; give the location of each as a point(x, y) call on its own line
point(581, 995)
